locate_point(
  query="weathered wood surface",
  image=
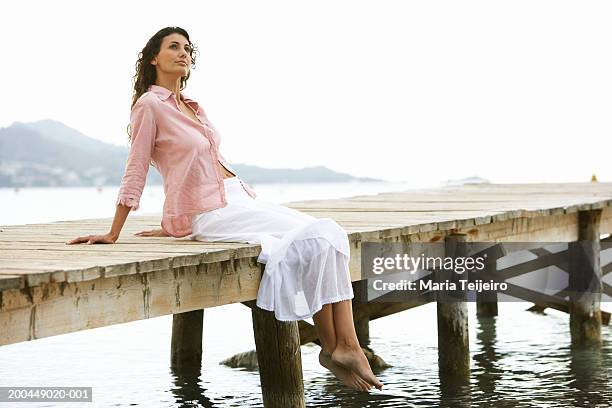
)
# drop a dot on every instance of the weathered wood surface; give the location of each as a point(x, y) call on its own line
point(585, 282)
point(279, 358)
point(186, 343)
point(452, 317)
point(49, 288)
point(35, 253)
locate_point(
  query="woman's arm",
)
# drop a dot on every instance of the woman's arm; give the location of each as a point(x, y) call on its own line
point(110, 237)
point(121, 214)
point(144, 130)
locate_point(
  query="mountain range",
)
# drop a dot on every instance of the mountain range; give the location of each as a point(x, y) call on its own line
point(47, 153)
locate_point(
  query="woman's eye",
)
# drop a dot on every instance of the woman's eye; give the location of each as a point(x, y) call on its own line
point(188, 49)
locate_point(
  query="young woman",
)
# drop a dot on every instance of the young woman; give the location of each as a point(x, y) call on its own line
point(306, 273)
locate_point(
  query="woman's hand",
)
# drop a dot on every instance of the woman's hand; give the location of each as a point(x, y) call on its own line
point(94, 239)
point(152, 233)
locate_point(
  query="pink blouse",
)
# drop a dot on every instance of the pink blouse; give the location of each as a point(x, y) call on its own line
point(185, 152)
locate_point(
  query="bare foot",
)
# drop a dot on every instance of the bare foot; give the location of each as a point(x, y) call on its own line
point(354, 359)
point(347, 377)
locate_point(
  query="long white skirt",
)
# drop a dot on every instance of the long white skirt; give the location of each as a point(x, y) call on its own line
point(306, 258)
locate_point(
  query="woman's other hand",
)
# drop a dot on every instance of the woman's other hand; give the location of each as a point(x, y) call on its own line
point(94, 239)
point(152, 233)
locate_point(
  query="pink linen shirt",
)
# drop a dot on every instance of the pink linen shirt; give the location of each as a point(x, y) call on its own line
point(185, 152)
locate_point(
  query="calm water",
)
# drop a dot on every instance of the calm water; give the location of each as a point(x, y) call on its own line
point(518, 359)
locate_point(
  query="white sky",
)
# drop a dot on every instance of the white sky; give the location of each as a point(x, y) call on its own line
point(514, 91)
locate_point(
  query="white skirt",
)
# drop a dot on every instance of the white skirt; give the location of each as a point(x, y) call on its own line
point(306, 258)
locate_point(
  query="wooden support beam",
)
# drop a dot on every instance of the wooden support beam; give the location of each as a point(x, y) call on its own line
point(63, 307)
point(374, 310)
point(453, 340)
point(585, 284)
point(186, 346)
point(279, 359)
point(539, 307)
point(486, 302)
point(361, 320)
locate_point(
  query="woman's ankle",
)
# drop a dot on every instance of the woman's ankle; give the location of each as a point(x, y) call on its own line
point(347, 345)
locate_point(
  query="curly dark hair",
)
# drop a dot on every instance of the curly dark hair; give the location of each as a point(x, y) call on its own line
point(145, 71)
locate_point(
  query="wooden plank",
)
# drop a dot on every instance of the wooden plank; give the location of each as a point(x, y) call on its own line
point(74, 269)
point(65, 307)
point(44, 267)
point(146, 246)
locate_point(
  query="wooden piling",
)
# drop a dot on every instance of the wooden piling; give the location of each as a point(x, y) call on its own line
point(453, 340)
point(186, 346)
point(279, 359)
point(585, 280)
point(486, 302)
point(361, 320)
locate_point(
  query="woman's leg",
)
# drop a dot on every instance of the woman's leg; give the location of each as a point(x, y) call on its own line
point(324, 325)
point(348, 352)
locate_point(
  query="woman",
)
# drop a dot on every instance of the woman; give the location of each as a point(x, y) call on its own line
point(306, 273)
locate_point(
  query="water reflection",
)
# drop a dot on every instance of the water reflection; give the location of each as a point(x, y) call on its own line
point(187, 389)
point(586, 375)
point(518, 359)
point(486, 371)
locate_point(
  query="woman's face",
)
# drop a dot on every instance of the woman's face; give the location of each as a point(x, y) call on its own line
point(174, 55)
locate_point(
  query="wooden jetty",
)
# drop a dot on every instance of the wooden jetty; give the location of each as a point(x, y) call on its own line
point(48, 288)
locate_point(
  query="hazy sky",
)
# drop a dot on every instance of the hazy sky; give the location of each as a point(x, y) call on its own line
point(513, 91)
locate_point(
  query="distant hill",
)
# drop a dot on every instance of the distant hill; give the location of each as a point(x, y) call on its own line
point(48, 153)
point(467, 180)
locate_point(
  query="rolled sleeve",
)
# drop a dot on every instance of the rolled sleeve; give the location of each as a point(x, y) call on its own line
point(143, 132)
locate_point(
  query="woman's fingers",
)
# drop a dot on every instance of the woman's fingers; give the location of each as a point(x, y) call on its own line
point(78, 240)
point(90, 239)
